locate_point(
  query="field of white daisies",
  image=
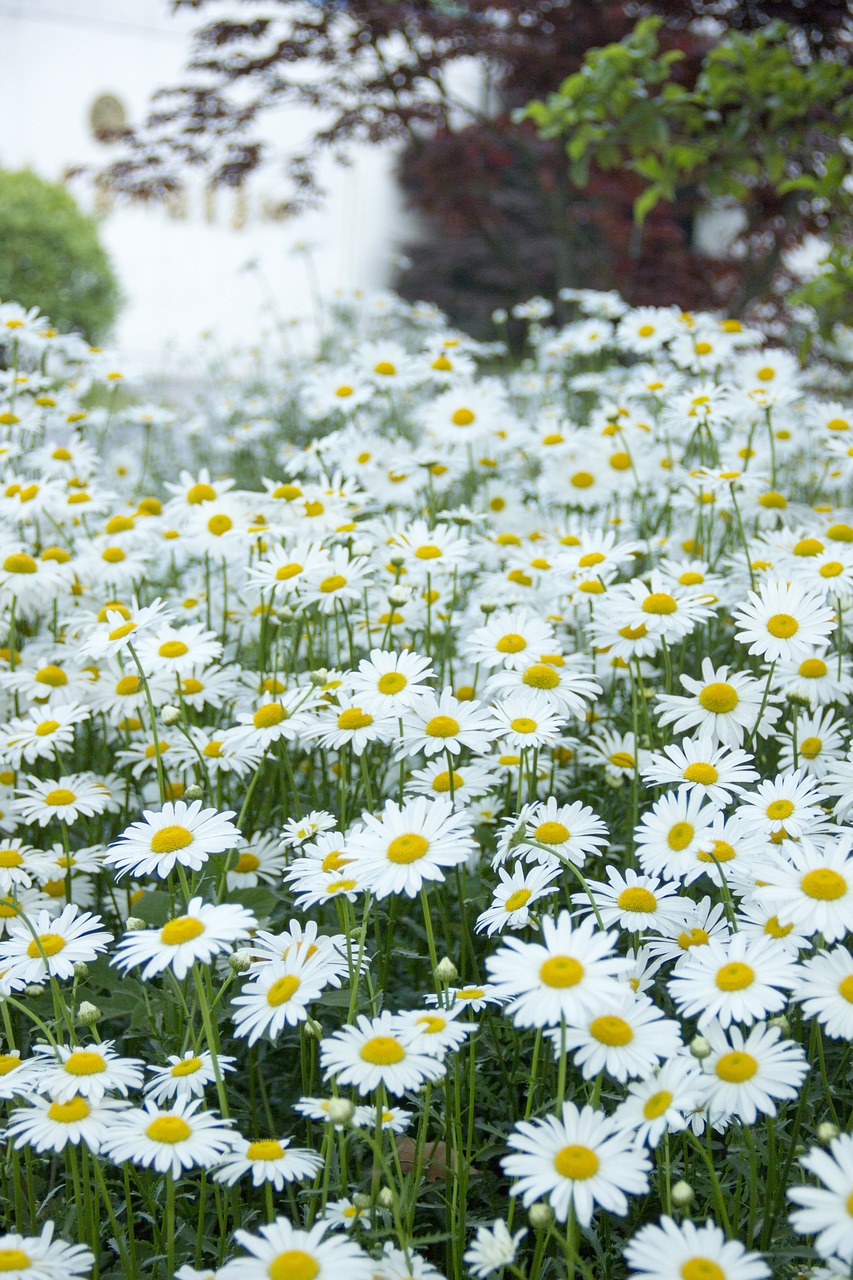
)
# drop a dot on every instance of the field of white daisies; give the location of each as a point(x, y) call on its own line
point(426, 807)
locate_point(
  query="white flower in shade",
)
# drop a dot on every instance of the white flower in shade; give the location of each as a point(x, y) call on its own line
point(43, 1258)
point(717, 772)
point(45, 1124)
point(580, 1159)
point(827, 1212)
point(267, 1160)
point(65, 798)
point(433, 1031)
point(393, 1119)
point(178, 649)
point(687, 1251)
point(628, 1036)
point(513, 897)
point(278, 996)
point(297, 830)
point(816, 678)
point(825, 990)
point(566, 975)
point(182, 833)
point(374, 1053)
point(404, 1264)
point(169, 1141)
point(744, 1076)
point(283, 1251)
point(89, 1070)
point(660, 1103)
point(810, 885)
point(492, 1248)
point(388, 683)
point(471, 997)
point(783, 621)
point(50, 945)
point(409, 845)
point(740, 980)
point(662, 607)
point(724, 706)
point(186, 1076)
point(202, 932)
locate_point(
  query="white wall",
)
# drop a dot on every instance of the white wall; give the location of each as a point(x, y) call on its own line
point(182, 277)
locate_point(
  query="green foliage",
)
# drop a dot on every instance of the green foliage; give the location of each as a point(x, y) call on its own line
point(50, 257)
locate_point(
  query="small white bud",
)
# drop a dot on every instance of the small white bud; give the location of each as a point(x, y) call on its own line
point(826, 1132)
point(194, 792)
point(682, 1194)
point(446, 971)
point(781, 1022)
point(240, 961)
point(314, 1028)
point(700, 1048)
point(285, 613)
point(398, 595)
point(33, 990)
point(170, 715)
point(340, 1110)
point(319, 677)
point(397, 561)
point(540, 1215)
point(487, 607)
point(360, 1200)
point(134, 924)
point(88, 1014)
point(362, 546)
point(385, 1199)
point(81, 970)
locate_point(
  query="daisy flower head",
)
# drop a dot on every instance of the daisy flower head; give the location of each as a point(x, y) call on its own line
point(296, 831)
point(471, 997)
point(810, 885)
point(724, 706)
point(817, 678)
point(826, 1212)
point(552, 834)
point(549, 683)
point(50, 946)
point(678, 938)
point(348, 723)
point(267, 1160)
point(788, 805)
point(717, 772)
point(88, 1070)
point(399, 1264)
point(283, 1252)
point(178, 649)
point(43, 1258)
point(492, 1248)
point(522, 723)
point(687, 1251)
point(179, 833)
point(783, 621)
point(825, 990)
point(387, 683)
point(46, 1124)
point(434, 1032)
point(577, 1160)
point(186, 1076)
point(376, 1052)
point(121, 627)
point(628, 1037)
point(672, 835)
point(278, 996)
point(409, 845)
point(393, 1119)
point(508, 639)
point(169, 1140)
point(67, 798)
point(663, 607)
point(744, 1076)
point(203, 931)
point(815, 744)
point(512, 899)
point(633, 902)
point(741, 980)
point(660, 1102)
point(446, 724)
point(566, 975)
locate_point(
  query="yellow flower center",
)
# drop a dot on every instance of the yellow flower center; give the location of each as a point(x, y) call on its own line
point(576, 1162)
point(636, 898)
point(660, 602)
point(169, 1130)
point(186, 1067)
point(70, 1112)
point(181, 929)
point(845, 988)
point(441, 782)
point(168, 839)
point(517, 900)
point(680, 835)
point(693, 938)
point(286, 571)
point(268, 715)
point(428, 553)
point(354, 718)
point(295, 1264)
point(200, 493)
point(247, 862)
point(611, 1030)
point(49, 944)
point(813, 668)
point(20, 562)
point(540, 676)
point(656, 1105)
point(704, 774)
point(442, 727)
point(736, 1067)
point(511, 643)
point(646, 330)
point(633, 633)
point(85, 1062)
point(824, 884)
point(811, 748)
point(561, 972)
point(619, 462)
point(582, 479)
point(462, 418)
point(831, 569)
point(333, 583)
point(173, 649)
point(691, 579)
point(10, 858)
point(119, 633)
point(622, 760)
point(391, 682)
point(776, 930)
point(722, 852)
point(778, 810)
point(407, 848)
point(14, 1260)
point(265, 1149)
point(808, 547)
point(523, 724)
point(432, 1024)
point(701, 1269)
point(282, 990)
point(51, 675)
point(735, 976)
point(220, 524)
point(783, 626)
point(382, 1051)
point(552, 833)
point(719, 698)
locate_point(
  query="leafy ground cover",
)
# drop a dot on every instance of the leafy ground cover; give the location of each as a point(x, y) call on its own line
point(431, 856)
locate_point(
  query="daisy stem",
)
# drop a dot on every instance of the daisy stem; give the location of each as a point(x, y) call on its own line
point(570, 866)
point(433, 956)
point(716, 1189)
point(355, 972)
point(665, 1176)
point(368, 789)
point(742, 533)
point(161, 777)
point(268, 1201)
point(211, 1036)
point(170, 1226)
point(73, 1166)
point(754, 730)
point(753, 1184)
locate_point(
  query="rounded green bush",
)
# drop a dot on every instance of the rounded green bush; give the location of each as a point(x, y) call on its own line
point(51, 258)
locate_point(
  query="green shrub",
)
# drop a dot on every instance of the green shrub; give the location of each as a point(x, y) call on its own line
point(50, 257)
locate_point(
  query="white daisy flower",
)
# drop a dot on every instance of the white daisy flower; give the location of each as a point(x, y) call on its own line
point(88, 1070)
point(50, 946)
point(783, 621)
point(660, 1103)
point(810, 885)
point(43, 1258)
point(169, 1141)
point(179, 833)
point(687, 1251)
point(627, 1037)
point(278, 996)
point(281, 1245)
point(717, 772)
point(741, 980)
point(267, 1160)
point(723, 705)
point(46, 1124)
point(492, 1248)
point(409, 846)
point(66, 798)
point(202, 932)
point(634, 902)
point(185, 1076)
point(375, 1052)
point(519, 888)
point(744, 1076)
point(825, 1211)
point(825, 990)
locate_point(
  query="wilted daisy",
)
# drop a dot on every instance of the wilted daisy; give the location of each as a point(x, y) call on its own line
point(826, 1211)
point(267, 1160)
point(179, 833)
point(43, 1258)
point(686, 1251)
point(202, 932)
point(282, 1250)
point(375, 1052)
point(578, 1160)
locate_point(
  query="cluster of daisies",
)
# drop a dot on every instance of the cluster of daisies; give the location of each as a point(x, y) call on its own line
point(448, 825)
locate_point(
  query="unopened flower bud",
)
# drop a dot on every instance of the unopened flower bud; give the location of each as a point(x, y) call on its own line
point(81, 970)
point(682, 1194)
point(88, 1014)
point(385, 1199)
point(487, 607)
point(33, 990)
point(362, 546)
point(170, 715)
point(540, 1215)
point(319, 677)
point(194, 792)
point(799, 700)
point(133, 924)
point(398, 595)
point(314, 1028)
point(499, 315)
point(446, 971)
point(340, 1110)
point(360, 1200)
point(240, 961)
point(826, 1132)
point(285, 613)
point(700, 1048)
point(397, 561)
point(781, 1022)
